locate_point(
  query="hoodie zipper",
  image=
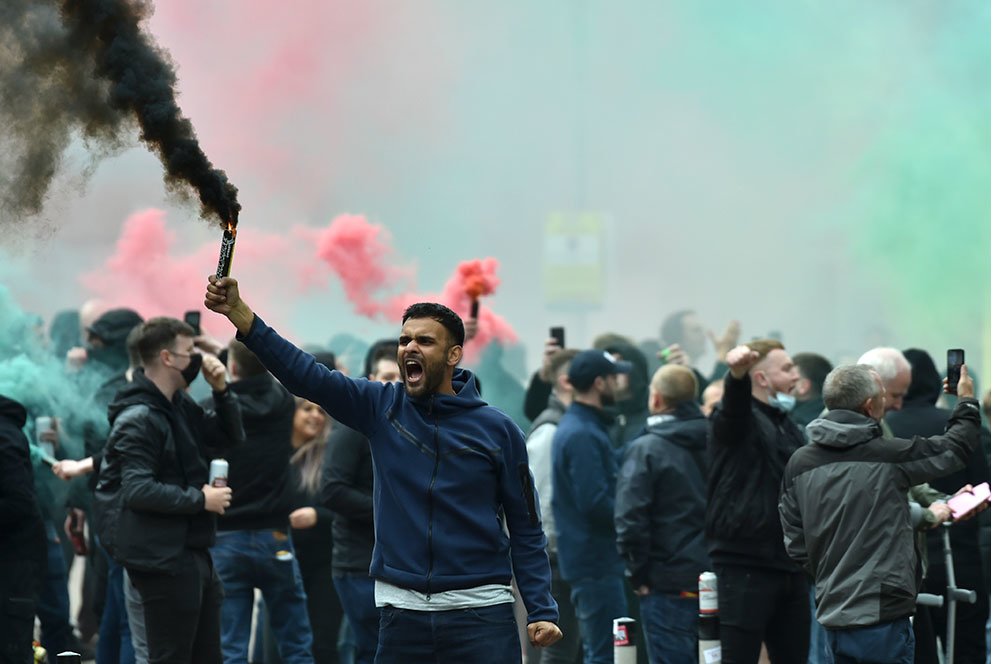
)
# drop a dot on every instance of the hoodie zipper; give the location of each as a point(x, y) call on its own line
point(432, 484)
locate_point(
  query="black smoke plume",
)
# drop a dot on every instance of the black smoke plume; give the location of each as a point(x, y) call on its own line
point(87, 68)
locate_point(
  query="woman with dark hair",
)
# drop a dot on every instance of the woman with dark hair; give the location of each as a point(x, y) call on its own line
point(312, 528)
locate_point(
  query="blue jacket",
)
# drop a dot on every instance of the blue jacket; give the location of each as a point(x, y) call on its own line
point(446, 470)
point(584, 490)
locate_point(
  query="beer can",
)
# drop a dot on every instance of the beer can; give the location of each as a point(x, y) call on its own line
point(708, 594)
point(219, 473)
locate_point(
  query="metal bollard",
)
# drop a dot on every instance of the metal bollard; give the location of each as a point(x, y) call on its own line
point(69, 657)
point(709, 646)
point(625, 634)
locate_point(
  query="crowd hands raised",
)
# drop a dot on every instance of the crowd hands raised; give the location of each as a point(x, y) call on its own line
point(649, 463)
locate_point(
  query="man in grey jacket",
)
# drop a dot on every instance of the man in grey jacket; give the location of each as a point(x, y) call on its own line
point(845, 515)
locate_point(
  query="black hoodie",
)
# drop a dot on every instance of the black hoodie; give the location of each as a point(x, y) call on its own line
point(661, 502)
point(157, 455)
point(262, 493)
point(22, 533)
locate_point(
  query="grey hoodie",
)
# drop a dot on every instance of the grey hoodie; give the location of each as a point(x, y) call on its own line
point(845, 515)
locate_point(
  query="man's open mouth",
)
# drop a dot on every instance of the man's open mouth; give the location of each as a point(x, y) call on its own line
point(413, 371)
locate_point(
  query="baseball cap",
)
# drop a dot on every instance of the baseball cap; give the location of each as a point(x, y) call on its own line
point(590, 364)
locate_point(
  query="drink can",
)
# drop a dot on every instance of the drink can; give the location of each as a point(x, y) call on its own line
point(43, 425)
point(708, 594)
point(219, 473)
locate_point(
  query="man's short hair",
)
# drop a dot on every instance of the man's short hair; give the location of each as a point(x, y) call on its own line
point(887, 362)
point(158, 334)
point(560, 364)
point(246, 361)
point(673, 327)
point(849, 386)
point(439, 313)
point(383, 349)
point(813, 367)
point(764, 346)
point(675, 383)
point(131, 347)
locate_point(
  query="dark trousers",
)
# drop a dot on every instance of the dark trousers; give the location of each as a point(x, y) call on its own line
point(324, 609)
point(760, 605)
point(20, 581)
point(485, 635)
point(53, 603)
point(888, 643)
point(182, 611)
point(356, 594)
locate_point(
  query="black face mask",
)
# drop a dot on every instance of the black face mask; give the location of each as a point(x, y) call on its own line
point(190, 372)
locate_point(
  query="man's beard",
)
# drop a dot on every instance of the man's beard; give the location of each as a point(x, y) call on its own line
point(432, 377)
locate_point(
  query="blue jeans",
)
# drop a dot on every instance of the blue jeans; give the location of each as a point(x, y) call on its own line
point(264, 559)
point(597, 602)
point(114, 645)
point(356, 594)
point(819, 650)
point(888, 643)
point(670, 626)
point(485, 635)
point(53, 603)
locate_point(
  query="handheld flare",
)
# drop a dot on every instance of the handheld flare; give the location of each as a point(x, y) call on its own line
point(475, 307)
point(227, 251)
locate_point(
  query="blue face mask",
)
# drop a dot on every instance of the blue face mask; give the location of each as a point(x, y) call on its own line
point(783, 402)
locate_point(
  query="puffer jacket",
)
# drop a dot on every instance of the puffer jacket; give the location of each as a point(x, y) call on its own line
point(845, 515)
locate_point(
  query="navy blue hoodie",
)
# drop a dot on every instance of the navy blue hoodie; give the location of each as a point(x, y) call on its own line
point(446, 470)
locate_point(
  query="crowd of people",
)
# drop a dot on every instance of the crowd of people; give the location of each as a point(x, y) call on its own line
point(400, 516)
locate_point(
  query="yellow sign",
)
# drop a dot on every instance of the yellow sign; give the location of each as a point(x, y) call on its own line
point(574, 259)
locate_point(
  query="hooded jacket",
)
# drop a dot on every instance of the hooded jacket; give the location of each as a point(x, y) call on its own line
point(22, 533)
point(157, 459)
point(447, 470)
point(845, 514)
point(661, 502)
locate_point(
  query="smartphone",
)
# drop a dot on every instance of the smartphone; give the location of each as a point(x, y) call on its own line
point(558, 334)
point(193, 319)
point(964, 503)
point(956, 358)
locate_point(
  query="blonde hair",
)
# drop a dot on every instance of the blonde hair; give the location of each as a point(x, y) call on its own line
point(309, 458)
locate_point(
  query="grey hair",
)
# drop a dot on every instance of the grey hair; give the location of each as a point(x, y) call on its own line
point(887, 362)
point(849, 386)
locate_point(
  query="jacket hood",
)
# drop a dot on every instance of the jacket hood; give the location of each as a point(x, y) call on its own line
point(843, 428)
point(113, 327)
point(466, 397)
point(263, 396)
point(13, 411)
point(141, 391)
point(926, 385)
point(665, 425)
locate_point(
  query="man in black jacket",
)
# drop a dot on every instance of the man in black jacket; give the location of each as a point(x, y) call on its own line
point(22, 537)
point(660, 512)
point(920, 417)
point(347, 490)
point(253, 548)
point(157, 464)
point(763, 594)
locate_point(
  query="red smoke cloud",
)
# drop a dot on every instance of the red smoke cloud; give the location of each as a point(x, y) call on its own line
point(146, 274)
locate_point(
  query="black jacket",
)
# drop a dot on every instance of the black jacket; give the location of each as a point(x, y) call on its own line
point(749, 444)
point(157, 456)
point(661, 502)
point(22, 532)
point(259, 469)
point(347, 490)
point(919, 417)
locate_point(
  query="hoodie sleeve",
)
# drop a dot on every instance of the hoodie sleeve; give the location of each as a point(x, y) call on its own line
point(530, 563)
point(139, 440)
point(923, 459)
point(352, 402)
point(634, 501)
point(791, 516)
point(732, 423)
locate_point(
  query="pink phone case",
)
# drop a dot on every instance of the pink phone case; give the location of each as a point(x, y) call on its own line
point(966, 502)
